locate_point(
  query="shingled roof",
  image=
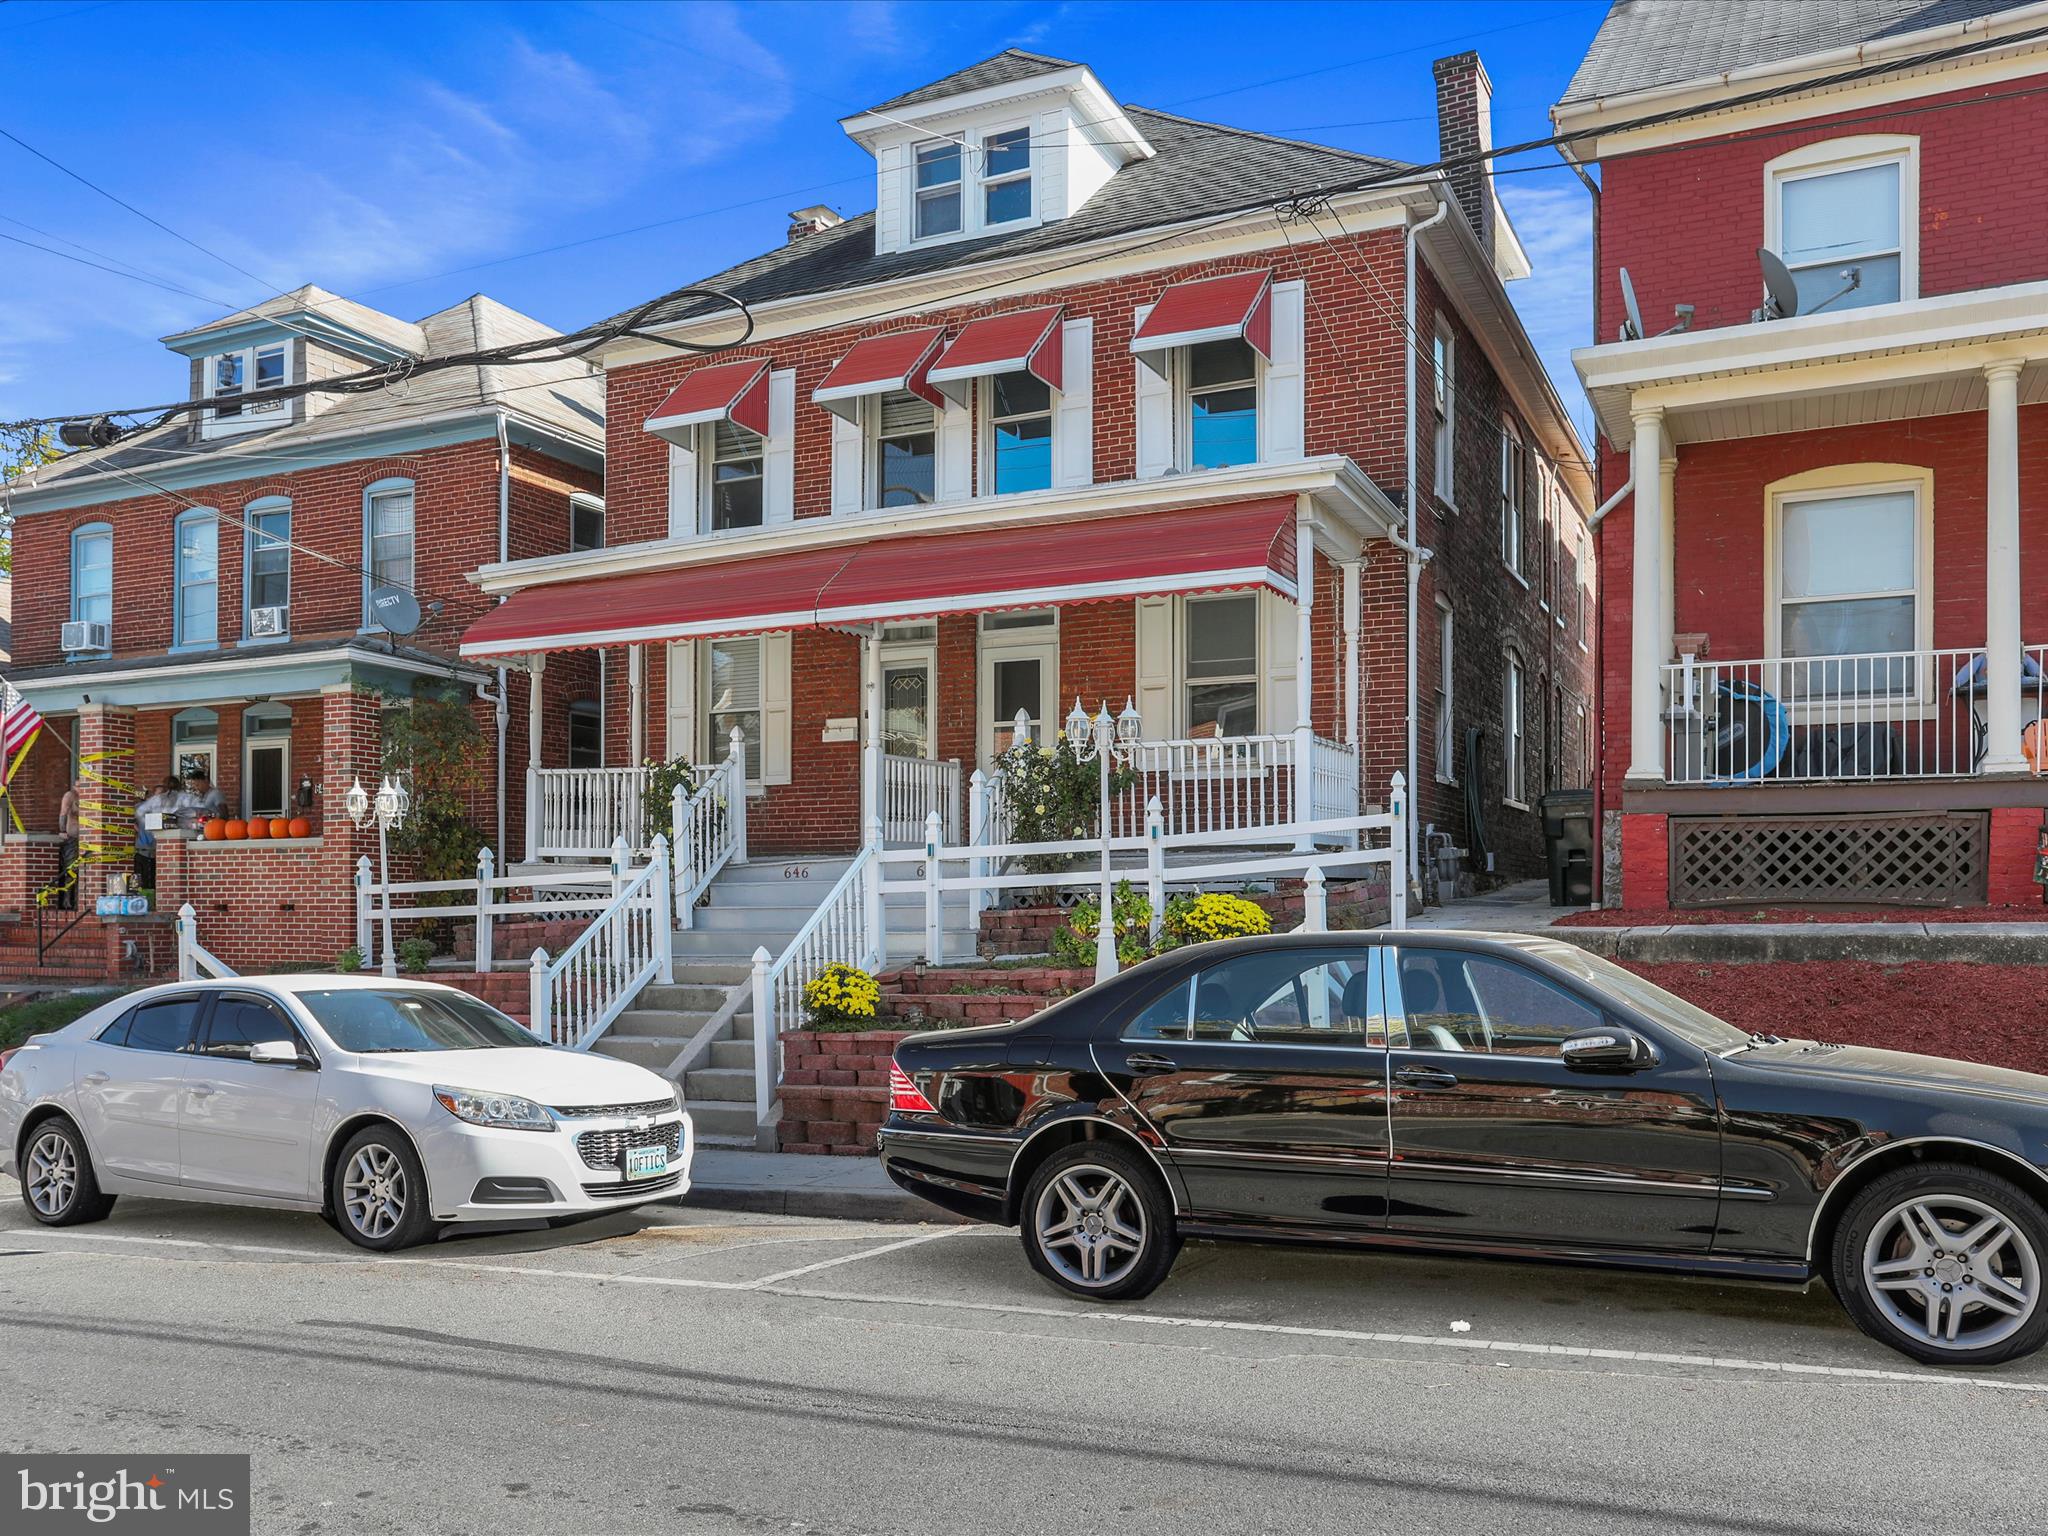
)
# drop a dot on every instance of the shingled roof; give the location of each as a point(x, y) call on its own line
point(1648, 43)
point(1010, 65)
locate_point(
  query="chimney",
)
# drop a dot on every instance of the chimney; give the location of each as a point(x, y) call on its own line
point(811, 221)
point(1464, 127)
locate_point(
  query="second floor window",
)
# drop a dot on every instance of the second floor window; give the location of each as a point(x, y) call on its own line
point(1514, 496)
point(904, 460)
point(270, 557)
point(389, 520)
point(92, 575)
point(1222, 404)
point(733, 497)
point(586, 523)
point(938, 189)
point(1222, 695)
point(1833, 219)
point(1444, 382)
point(1020, 431)
point(198, 579)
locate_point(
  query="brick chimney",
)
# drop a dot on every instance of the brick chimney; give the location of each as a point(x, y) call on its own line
point(811, 221)
point(1464, 127)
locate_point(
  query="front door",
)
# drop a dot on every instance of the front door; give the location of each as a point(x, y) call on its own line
point(129, 1083)
point(1496, 1138)
point(1266, 1078)
point(907, 717)
point(248, 1126)
point(1020, 664)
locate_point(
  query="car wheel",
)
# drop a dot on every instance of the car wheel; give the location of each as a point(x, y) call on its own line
point(1097, 1221)
point(1944, 1262)
point(380, 1192)
point(57, 1183)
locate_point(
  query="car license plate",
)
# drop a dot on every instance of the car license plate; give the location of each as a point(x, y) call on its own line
point(646, 1162)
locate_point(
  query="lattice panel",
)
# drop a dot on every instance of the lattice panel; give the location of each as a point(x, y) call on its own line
point(1915, 859)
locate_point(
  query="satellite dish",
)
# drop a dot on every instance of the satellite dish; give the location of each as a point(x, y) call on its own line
point(396, 610)
point(1632, 325)
point(1781, 293)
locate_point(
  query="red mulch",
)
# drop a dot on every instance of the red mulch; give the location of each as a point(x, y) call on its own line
point(1657, 917)
point(1988, 1013)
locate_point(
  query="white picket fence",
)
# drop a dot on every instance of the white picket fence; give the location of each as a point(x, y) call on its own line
point(483, 899)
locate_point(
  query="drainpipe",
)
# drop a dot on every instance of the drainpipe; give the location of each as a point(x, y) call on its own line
point(504, 709)
point(1416, 556)
point(1600, 692)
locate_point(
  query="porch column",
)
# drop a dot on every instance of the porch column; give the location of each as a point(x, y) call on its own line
point(871, 729)
point(636, 714)
point(1667, 569)
point(1352, 604)
point(2002, 638)
point(535, 666)
point(1646, 617)
point(1304, 651)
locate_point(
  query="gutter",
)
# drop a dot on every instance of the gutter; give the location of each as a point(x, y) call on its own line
point(1416, 555)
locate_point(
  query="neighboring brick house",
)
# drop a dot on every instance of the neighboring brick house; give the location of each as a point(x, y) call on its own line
point(1077, 411)
point(1822, 656)
point(198, 593)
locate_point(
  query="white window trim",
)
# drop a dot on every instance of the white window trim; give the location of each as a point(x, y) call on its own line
point(1447, 679)
point(707, 467)
point(983, 182)
point(192, 517)
point(1514, 468)
point(212, 424)
point(1444, 433)
point(585, 501)
point(1182, 682)
point(1514, 742)
point(1182, 381)
point(1036, 641)
point(280, 741)
point(984, 407)
point(1853, 154)
point(973, 198)
point(871, 455)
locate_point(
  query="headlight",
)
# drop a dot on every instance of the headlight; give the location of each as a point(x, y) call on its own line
point(501, 1110)
point(676, 1093)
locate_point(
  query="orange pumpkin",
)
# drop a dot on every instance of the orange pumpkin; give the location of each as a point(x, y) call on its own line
point(2031, 745)
point(216, 829)
point(279, 827)
point(236, 830)
point(258, 827)
point(298, 826)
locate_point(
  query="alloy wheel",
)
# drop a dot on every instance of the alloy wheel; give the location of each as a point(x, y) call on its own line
point(1090, 1226)
point(1952, 1272)
point(373, 1191)
point(52, 1173)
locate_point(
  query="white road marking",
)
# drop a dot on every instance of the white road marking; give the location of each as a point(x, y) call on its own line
point(855, 1258)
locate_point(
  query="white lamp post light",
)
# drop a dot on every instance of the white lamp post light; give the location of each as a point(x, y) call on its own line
point(387, 809)
point(1110, 741)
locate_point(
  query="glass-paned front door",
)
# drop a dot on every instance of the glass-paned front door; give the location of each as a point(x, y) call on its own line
point(907, 709)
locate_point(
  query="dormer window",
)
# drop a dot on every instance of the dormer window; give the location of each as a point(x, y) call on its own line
point(904, 461)
point(250, 370)
point(938, 189)
point(1001, 174)
point(1006, 176)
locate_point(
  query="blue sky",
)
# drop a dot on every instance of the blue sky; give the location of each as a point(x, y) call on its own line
point(409, 155)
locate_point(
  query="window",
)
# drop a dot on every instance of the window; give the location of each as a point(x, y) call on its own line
point(1278, 997)
point(1444, 383)
point(92, 574)
point(1453, 1001)
point(938, 189)
point(267, 760)
point(586, 523)
point(1221, 696)
point(1020, 433)
point(904, 462)
point(239, 1023)
point(388, 535)
point(1842, 204)
point(733, 497)
point(268, 555)
point(231, 375)
point(195, 741)
point(1514, 491)
point(1222, 404)
point(733, 685)
point(1446, 730)
point(586, 734)
point(1006, 176)
point(1514, 765)
point(163, 1026)
point(197, 538)
point(1849, 582)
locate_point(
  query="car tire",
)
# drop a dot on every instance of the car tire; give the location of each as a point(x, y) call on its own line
point(1945, 1262)
point(1097, 1222)
point(377, 1195)
point(57, 1181)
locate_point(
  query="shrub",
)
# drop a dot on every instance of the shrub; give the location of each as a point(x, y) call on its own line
point(841, 997)
point(349, 960)
point(1073, 944)
point(1054, 796)
point(1211, 915)
point(413, 954)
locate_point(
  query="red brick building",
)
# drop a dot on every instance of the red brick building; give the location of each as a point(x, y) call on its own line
point(197, 594)
point(1098, 402)
point(1821, 656)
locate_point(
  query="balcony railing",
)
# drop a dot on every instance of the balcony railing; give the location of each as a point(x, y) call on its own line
point(914, 787)
point(1810, 719)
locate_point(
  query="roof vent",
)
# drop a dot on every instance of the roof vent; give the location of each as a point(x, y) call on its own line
point(811, 221)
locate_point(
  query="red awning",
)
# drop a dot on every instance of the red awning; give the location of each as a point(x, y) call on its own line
point(899, 360)
point(1227, 308)
point(734, 391)
point(1027, 340)
point(910, 576)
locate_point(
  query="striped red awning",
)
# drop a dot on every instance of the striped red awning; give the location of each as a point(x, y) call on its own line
point(1027, 340)
point(910, 576)
point(724, 391)
point(1238, 305)
point(899, 360)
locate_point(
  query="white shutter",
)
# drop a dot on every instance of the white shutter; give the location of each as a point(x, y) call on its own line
point(778, 450)
point(1155, 668)
point(1073, 421)
point(847, 442)
point(954, 443)
point(775, 709)
point(680, 724)
point(1278, 631)
point(682, 491)
point(1283, 410)
point(892, 175)
point(1154, 415)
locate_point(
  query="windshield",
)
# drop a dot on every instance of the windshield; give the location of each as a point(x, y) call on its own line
point(1674, 1013)
point(368, 1021)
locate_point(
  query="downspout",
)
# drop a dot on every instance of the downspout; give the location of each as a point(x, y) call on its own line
point(504, 707)
point(1599, 690)
point(1416, 555)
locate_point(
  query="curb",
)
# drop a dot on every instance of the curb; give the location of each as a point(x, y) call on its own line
point(842, 1204)
point(1882, 943)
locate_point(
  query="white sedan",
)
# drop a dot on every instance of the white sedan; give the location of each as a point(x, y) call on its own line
point(390, 1107)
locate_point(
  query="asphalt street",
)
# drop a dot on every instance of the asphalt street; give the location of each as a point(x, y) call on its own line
point(696, 1371)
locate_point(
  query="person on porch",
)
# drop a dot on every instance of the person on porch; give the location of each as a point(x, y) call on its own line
point(203, 801)
point(163, 802)
point(67, 850)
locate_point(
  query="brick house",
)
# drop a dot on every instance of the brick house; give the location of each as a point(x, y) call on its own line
point(1821, 660)
point(1099, 402)
point(198, 594)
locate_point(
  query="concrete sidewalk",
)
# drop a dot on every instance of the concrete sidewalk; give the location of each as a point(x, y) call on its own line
point(800, 1184)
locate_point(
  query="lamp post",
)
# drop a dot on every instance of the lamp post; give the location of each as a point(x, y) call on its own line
point(1109, 741)
point(386, 809)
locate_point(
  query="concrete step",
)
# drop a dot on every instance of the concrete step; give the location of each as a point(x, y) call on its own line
point(821, 873)
point(660, 1023)
point(718, 1122)
point(905, 943)
point(710, 973)
point(654, 1052)
point(725, 1085)
point(738, 1054)
point(687, 996)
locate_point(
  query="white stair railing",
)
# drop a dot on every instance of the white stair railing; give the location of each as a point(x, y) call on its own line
point(708, 827)
point(194, 961)
point(583, 811)
point(913, 788)
point(577, 994)
point(846, 927)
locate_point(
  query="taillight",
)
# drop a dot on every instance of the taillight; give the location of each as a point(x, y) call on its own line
point(903, 1095)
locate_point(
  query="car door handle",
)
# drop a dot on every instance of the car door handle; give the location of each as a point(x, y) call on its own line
point(1144, 1063)
point(93, 1079)
point(1425, 1077)
point(200, 1090)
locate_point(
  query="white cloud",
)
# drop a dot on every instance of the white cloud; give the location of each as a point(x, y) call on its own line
point(1554, 218)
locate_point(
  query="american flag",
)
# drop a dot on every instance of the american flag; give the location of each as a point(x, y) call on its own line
point(19, 723)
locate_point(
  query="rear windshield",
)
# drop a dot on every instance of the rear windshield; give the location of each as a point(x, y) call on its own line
point(370, 1021)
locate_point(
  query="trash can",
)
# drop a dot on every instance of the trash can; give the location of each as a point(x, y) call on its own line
point(1568, 843)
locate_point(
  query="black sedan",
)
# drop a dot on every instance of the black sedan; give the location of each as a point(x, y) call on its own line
point(1492, 1094)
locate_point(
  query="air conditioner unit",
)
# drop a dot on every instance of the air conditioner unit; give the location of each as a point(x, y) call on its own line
point(83, 636)
point(266, 622)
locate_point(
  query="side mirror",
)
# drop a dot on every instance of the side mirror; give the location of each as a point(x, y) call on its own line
point(1609, 1049)
point(275, 1053)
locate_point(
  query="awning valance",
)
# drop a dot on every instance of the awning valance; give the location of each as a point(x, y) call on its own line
point(737, 392)
point(909, 576)
point(1027, 340)
point(899, 360)
point(1236, 305)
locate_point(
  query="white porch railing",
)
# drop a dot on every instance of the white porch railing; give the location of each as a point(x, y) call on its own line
point(576, 994)
point(1229, 785)
point(848, 926)
point(708, 827)
point(578, 813)
point(1810, 719)
point(913, 788)
point(194, 960)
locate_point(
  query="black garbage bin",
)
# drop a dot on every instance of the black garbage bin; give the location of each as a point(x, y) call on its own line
point(1568, 844)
